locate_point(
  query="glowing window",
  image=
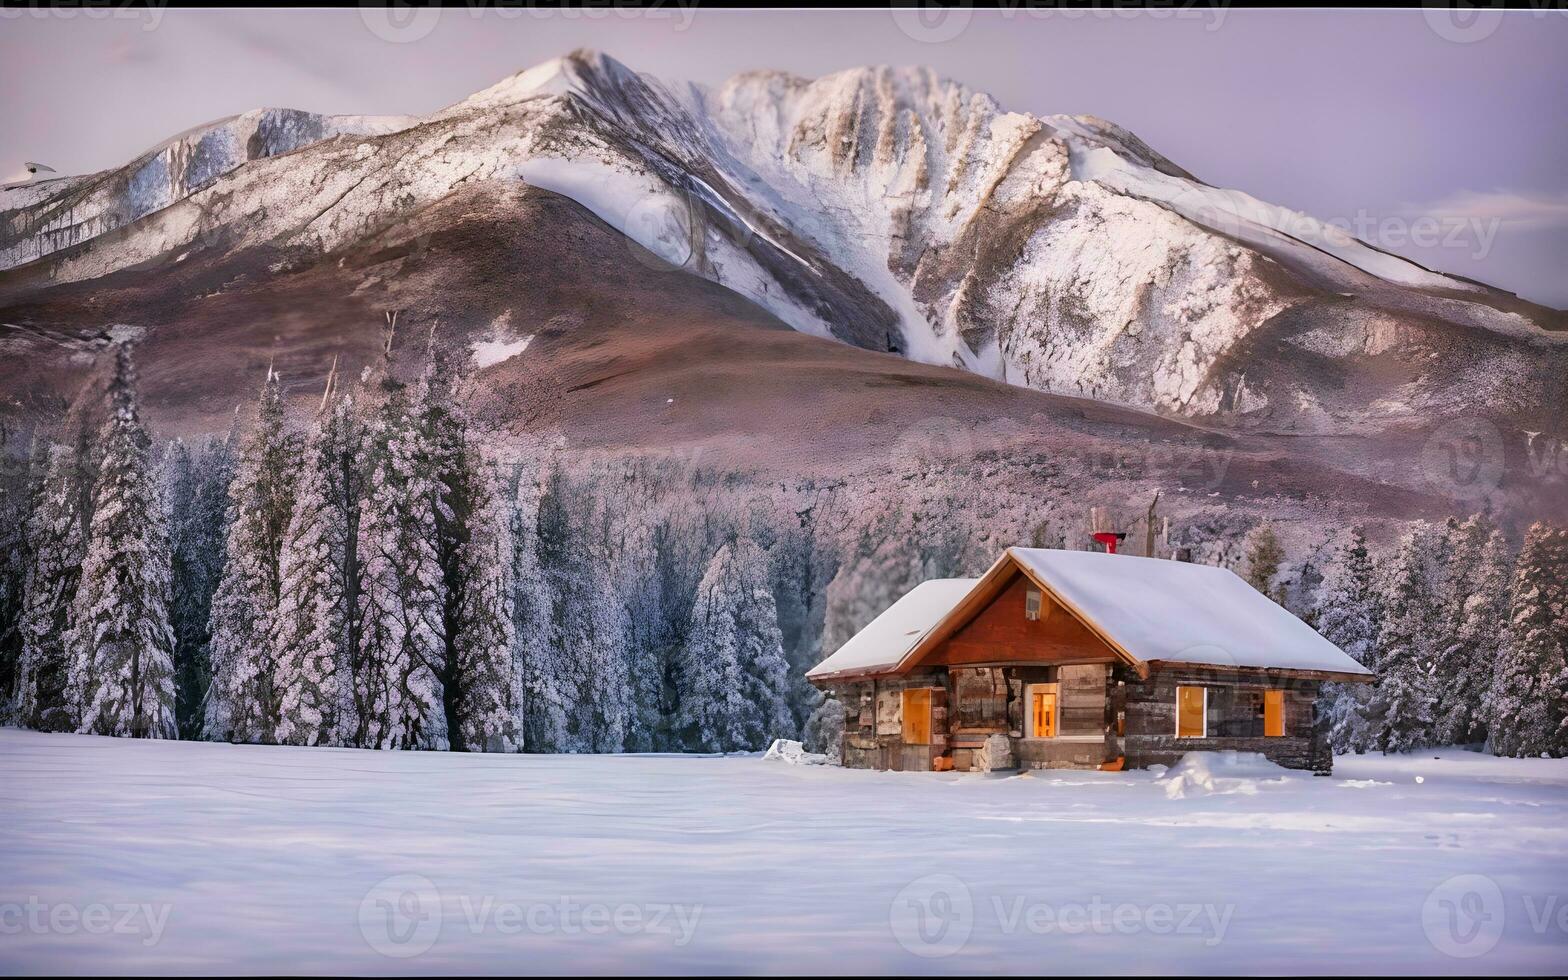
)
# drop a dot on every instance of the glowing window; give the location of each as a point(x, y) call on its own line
point(1273, 713)
point(1042, 712)
point(1191, 711)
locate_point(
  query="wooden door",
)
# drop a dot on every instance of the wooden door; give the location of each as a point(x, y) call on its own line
point(917, 716)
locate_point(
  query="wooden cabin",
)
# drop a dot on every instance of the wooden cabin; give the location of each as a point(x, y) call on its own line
point(1082, 660)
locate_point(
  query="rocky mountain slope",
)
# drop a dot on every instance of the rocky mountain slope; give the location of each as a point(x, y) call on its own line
point(888, 209)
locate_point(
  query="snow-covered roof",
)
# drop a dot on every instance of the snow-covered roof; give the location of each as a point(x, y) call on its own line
point(1151, 609)
point(886, 639)
point(1180, 612)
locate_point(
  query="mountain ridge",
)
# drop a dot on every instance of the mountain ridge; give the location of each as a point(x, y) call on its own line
point(891, 209)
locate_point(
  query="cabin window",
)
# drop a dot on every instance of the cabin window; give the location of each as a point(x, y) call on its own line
point(1042, 711)
point(1191, 711)
point(1032, 605)
point(1273, 713)
point(982, 699)
point(917, 716)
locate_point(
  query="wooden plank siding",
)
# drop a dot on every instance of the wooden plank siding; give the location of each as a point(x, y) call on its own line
point(1000, 633)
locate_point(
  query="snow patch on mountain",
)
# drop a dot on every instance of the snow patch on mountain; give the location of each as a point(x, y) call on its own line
point(490, 352)
point(1240, 215)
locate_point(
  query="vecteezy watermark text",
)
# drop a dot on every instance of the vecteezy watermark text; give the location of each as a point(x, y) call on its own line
point(935, 915)
point(145, 920)
point(403, 916)
point(1464, 916)
point(149, 12)
point(569, 917)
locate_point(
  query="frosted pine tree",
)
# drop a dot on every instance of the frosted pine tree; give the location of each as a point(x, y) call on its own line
point(122, 668)
point(18, 484)
point(242, 701)
point(533, 608)
point(1527, 708)
point(313, 643)
point(585, 649)
point(454, 468)
point(1405, 701)
point(1475, 604)
point(56, 547)
point(489, 708)
point(762, 650)
point(197, 487)
point(1264, 557)
point(401, 601)
point(824, 730)
point(732, 680)
point(576, 682)
point(1347, 611)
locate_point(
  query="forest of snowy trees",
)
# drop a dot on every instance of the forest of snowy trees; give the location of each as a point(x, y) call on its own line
point(373, 575)
point(1467, 637)
point(375, 580)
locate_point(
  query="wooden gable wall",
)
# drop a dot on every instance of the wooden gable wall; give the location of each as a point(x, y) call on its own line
point(999, 633)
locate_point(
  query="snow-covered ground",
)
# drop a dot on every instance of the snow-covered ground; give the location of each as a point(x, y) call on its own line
point(152, 857)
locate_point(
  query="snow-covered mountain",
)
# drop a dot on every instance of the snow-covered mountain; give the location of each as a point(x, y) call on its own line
point(889, 208)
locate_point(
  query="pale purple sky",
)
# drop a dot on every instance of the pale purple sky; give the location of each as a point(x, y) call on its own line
point(1371, 118)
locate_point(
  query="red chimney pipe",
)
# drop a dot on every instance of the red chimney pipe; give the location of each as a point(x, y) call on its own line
point(1110, 539)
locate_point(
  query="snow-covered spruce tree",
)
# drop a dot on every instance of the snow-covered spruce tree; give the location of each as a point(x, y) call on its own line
point(442, 425)
point(1348, 611)
point(801, 569)
point(732, 679)
point(402, 595)
point(543, 704)
point(1527, 707)
point(1405, 702)
point(18, 492)
point(590, 630)
point(824, 730)
point(242, 701)
point(489, 711)
point(1473, 607)
point(579, 658)
point(56, 548)
point(196, 484)
point(472, 527)
point(1264, 557)
point(313, 650)
point(122, 667)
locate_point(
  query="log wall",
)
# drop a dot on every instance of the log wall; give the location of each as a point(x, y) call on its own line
point(1105, 713)
point(1234, 717)
point(874, 723)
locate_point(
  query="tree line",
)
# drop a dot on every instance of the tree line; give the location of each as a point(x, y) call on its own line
point(376, 580)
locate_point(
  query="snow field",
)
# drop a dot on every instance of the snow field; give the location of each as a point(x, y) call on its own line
point(131, 856)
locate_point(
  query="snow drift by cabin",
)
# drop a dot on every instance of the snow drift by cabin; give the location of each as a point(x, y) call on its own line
point(1074, 659)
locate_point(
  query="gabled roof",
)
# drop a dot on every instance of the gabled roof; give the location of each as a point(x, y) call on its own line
point(880, 647)
point(1148, 610)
